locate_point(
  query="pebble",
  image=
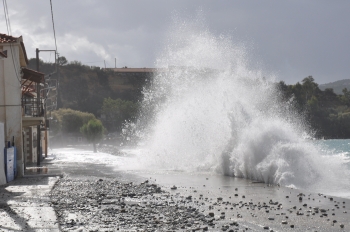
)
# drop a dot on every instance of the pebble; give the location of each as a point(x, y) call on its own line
point(109, 204)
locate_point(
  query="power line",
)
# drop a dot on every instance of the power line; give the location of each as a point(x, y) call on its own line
point(7, 18)
point(53, 26)
point(9, 32)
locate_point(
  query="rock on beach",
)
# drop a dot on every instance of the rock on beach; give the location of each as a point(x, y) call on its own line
point(108, 205)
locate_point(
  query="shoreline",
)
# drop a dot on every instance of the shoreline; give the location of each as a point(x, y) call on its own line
point(260, 205)
point(112, 205)
point(199, 202)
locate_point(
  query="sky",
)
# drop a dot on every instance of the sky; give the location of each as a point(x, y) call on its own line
point(292, 38)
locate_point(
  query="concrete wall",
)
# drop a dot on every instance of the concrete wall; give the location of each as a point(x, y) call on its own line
point(10, 100)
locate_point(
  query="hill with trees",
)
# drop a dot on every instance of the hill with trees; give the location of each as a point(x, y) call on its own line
point(114, 97)
point(84, 88)
point(337, 86)
point(327, 113)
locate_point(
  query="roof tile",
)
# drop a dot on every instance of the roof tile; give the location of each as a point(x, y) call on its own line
point(7, 38)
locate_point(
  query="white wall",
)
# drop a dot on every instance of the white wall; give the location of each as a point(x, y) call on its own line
point(2, 146)
point(10, 97)
point(2, 129)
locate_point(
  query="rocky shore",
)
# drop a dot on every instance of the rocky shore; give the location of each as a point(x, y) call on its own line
point(109, 205)
point(94, 196)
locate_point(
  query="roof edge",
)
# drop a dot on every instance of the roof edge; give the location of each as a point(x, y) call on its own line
point(24, 52)
point(33, 75)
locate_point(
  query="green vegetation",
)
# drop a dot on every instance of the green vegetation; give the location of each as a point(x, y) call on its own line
point(93, 131)
point(115, 112)
point(337, 86)
point(327, 113)
point(66, 121)
point(84, 88)
point(88, 92)
point(113, 98)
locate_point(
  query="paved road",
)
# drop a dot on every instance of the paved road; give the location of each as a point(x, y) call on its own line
point(25, 205)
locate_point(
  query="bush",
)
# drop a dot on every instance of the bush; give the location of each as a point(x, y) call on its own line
point(93, 131)
point(69, 121)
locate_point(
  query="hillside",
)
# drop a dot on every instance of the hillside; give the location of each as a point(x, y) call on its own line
point(337, 86)
point(84, 88)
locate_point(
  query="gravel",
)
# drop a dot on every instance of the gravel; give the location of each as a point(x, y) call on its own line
point(108, 205)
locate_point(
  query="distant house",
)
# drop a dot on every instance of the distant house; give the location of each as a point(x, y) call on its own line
point(20, 110)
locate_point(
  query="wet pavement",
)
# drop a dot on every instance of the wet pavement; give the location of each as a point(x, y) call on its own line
point(25, 205)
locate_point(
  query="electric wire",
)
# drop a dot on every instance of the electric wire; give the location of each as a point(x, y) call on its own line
point(56, 53)
point(9, 32)
point(7, 24)
point(53, 26)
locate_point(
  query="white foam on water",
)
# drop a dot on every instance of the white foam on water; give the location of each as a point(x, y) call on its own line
point(210, 110)
point(76, 155)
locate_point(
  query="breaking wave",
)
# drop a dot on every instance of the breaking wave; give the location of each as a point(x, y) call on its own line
point(208, 109)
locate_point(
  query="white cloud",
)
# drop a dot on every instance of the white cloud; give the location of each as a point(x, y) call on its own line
point(70, 43)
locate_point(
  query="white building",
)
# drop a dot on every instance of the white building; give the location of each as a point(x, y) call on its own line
point(15, 82)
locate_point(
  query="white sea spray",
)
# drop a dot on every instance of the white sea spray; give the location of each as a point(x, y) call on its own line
point(210, 109)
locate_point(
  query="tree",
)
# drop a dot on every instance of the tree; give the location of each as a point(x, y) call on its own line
point(102, 77)
point(93, 131)
point(309, 87)
point(115, 112)
point(68, 121)
point(312, 105)
point(345, 98)
point(62, 61)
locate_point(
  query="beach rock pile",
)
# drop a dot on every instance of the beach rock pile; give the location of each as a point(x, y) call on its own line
point(108, 205)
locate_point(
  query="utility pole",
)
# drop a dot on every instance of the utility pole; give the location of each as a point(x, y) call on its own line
point(105, 63)
point(41, 109)
point(38, 133)
point(115, 62)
